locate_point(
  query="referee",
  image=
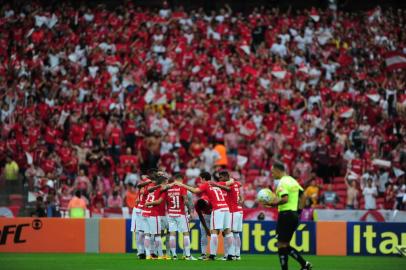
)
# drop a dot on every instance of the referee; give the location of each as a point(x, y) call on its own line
point(288, 197)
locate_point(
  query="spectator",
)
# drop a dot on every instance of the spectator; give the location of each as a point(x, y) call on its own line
point(52, 207)
point(82, 183)
point(209, 157)
point(98, 203)
point(389, 197)
point(312, 193)
point(64, 198)
point(352, 194)
point(262, 181)
point(193, 171)
point(115, 200)
point(40, 210)
point(261, 216)
point(132, 177)
point(222, 152)
point(130, 198)
point(370, 193)
point(400, 194)
point(77, 206)
point(329, 197)
point(11, 175)
point(308, 211)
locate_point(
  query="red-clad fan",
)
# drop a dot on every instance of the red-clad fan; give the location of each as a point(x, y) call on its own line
point(220, 216)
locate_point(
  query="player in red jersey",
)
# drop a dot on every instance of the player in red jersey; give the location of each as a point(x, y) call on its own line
point(234, 200)
point(220, 216)
point(152, 215)
point(203, 209)
point(137, 220)
point(176, 200)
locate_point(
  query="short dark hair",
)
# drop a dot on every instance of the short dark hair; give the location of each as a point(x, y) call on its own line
point(216, 176)
point(279, 166)
point(224, 174)
point(205, 175)
point(178, 176)
point(78, 193)
point(201, 203)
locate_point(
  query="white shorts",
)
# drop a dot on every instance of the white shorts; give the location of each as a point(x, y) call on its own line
point(207, 219)
point(153, 225)
point(137, 221)
point(220, 219)
point(236, 221)
point(178, 223)
point(164, 223)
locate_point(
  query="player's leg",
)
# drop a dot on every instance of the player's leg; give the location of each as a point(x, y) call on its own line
point(237, 228)
point(139, 227)
point(228, 236)
point(172, 236)
point(283, 240)
point(183, 227)
point(225, 246)
point(158, 238)
point(294, 253)
point(167, 244)
point(133, 229)
point(147, 238)
point(216, 224)
point(165, 232)
point(204, 237)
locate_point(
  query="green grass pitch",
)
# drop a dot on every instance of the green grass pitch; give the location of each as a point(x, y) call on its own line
point(11, 261)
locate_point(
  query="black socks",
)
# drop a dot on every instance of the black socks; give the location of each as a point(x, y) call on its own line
point(295, 254)
point(283, 257)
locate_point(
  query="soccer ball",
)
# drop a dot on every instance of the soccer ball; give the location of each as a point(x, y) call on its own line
point(265, 195)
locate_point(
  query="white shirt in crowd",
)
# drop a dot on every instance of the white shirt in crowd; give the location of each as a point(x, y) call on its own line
point(369, 197)
point(132, 178)
point(209, 157)
point(279, 49)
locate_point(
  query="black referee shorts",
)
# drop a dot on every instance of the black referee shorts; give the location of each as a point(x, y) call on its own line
point(286, 225)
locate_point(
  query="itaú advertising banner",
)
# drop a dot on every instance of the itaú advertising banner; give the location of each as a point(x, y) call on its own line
point(364, 238)
point(361, 215)
point(257, 237)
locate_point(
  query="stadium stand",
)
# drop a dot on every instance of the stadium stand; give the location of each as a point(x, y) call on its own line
point(93, 96)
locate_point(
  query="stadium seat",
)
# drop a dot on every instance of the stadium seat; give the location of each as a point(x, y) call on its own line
point(16, 200)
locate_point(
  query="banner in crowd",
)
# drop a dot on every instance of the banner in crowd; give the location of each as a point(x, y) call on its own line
point(361, 215)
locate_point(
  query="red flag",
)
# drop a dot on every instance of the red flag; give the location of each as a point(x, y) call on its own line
point(395, 60)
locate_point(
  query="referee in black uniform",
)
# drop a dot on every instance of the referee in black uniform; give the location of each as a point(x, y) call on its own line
point(288, 196)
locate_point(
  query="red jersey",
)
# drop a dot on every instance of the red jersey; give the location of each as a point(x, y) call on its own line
point(175, 200)
point(142, 195)
point(233, 196)
point(154, 210)
point(215, 195)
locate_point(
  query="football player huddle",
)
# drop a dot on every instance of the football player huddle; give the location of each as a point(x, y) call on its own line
point(165, 205)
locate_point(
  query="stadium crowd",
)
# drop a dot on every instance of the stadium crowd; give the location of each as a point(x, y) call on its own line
point(91, 98)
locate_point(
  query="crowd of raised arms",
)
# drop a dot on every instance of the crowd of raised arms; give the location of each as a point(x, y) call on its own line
point(91, 98)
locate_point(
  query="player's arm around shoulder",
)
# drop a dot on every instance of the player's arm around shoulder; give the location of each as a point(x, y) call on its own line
point(191, 189)
point(227, 188)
